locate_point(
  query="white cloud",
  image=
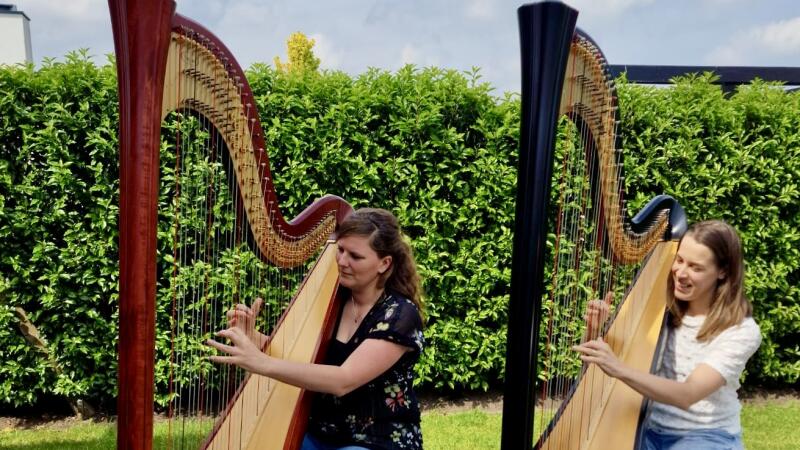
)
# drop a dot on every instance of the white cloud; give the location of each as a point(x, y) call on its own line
point(246, 27)
point(244, 14)
point(779, 38)
point(58, 27)
point(480, 9)
point(409, 55)
point(722, 2)
point(71, 11)
point(726, 56)
point(605, 8)
point(329, 56)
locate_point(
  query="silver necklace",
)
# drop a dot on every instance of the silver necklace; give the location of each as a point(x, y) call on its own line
point(356, 317)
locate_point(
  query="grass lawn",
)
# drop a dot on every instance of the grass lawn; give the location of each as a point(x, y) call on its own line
point(768, 425)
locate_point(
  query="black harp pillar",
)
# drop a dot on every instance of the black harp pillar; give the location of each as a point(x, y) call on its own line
point(546, 31)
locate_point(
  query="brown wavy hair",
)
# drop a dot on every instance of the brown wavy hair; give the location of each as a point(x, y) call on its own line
point(729, 305)
point(386, 239)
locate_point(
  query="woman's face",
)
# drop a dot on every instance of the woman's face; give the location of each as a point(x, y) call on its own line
point(359, 265)
point(695, 274)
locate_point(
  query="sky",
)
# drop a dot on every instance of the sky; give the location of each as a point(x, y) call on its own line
point(353, 35)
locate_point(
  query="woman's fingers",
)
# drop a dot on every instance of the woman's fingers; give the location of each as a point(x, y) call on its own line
point(221, 359)
point(230, 333)
point(237, 338)
point(598, 352)
point(244, 315)
point(241, 351)
point(220, 346)
point(241, 316)
point(256, 306)
point(591, 346)
point(597, 312)
point(597, 305)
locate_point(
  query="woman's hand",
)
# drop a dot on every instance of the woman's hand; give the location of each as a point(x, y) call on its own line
point(243, 351)
point(597, 312)
point(599, 352)
point(244, 318)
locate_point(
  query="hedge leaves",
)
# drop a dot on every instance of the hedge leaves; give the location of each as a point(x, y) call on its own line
point(434, 146)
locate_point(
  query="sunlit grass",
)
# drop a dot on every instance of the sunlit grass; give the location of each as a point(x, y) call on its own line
point(772, 426)
point(767, 426)
point(470, 430)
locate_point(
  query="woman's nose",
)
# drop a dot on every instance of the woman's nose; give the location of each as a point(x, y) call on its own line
point(341, 259)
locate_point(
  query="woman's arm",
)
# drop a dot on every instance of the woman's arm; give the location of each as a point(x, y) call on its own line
point(702, 382)
point(370, 359)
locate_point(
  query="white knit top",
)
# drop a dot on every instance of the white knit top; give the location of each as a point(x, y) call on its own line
point(727, 353)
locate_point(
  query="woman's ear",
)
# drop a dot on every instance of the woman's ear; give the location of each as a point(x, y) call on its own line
point(384, 265)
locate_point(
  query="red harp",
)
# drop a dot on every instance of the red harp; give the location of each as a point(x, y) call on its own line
point(574, 243)
point(225, 242)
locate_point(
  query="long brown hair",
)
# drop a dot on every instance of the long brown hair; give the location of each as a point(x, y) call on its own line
point(386, 239)
point(729, 306)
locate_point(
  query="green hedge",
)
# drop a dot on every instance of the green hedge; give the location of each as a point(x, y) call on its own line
point(434, 146)
point(58, 227)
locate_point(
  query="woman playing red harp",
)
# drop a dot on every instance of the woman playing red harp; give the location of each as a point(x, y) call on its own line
point(224, 239)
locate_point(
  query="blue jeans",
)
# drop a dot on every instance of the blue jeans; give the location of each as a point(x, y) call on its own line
point(311, 443)
point(710, 439)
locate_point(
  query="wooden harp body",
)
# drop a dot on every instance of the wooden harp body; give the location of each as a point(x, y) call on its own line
point(168, 63)
point(573, 243)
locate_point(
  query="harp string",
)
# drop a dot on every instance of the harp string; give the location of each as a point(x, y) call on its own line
point(175, 267)
point(206, 249)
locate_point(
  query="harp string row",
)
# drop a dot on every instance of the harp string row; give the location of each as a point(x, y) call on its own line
point(210, 90)
point(223, 246)
point(593, 252)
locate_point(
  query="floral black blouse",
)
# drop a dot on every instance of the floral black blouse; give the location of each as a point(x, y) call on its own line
point(384, 413)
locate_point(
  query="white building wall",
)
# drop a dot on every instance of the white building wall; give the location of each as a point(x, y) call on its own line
point(15, 38)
